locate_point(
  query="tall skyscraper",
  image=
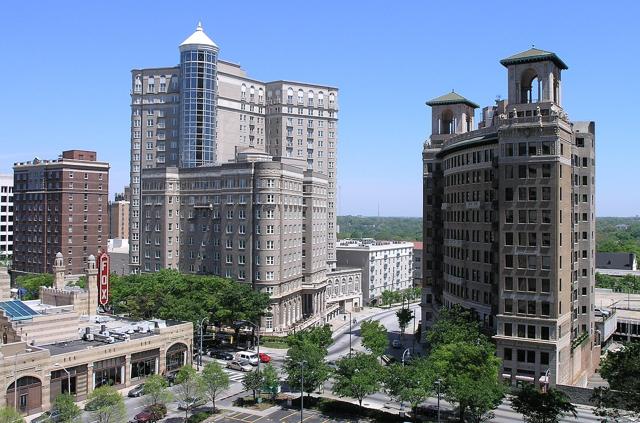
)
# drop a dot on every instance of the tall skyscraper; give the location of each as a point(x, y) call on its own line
point(59, 206)
point(206, 110)
point(509, 225)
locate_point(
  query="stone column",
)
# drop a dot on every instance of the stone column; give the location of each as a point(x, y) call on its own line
point(126, 379)
point(91, 378)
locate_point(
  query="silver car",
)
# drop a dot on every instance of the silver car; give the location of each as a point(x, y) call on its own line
point(242, 366)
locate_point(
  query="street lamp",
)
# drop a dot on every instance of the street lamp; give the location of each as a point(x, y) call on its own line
point(68, 376)
point(302, 363)
point(407, 351)
point(200, 324)
point(547, 380)
point(438, 383)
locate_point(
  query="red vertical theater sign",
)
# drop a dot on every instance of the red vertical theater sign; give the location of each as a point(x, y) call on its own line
point(103, 278)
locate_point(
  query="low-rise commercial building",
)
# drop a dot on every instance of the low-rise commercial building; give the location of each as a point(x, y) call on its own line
point(386, 265)
point(61, 344)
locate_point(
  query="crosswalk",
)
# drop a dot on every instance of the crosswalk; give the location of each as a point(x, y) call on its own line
point(234, 375)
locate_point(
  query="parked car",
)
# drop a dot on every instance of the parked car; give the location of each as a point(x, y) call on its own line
point(193, 402)
point(221, 355)
point(48, 416)
point(396, 344)
point(251, 357)
point(242, 366)
point(136, 391)
point(264, 358)
point(152, 413)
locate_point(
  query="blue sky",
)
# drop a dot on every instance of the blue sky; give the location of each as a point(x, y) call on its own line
point(66, 80)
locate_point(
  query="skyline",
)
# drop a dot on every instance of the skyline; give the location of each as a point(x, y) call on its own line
point(384, 77)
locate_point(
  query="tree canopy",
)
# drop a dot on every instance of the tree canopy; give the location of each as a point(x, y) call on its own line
point(357, 376)
point(10, 415)
point(374, 337)
point(215, 381)
point(109, 404)
point(189, 389)
point(386, 228)
point(169, 294)
point(453, 324)
point(316, 371)
point(155, 390)
point(32, 283)
point(411, 384)
point(542, 407)
point(621, 369)
point(318, 335)
point(66, 406)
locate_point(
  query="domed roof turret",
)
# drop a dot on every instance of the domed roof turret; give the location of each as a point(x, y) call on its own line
point(198, 38)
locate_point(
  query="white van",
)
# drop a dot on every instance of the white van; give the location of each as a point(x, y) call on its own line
point(251, 357)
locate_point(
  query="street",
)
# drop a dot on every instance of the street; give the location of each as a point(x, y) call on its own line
point(337, 350)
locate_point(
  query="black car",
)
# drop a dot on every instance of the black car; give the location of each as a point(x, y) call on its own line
point(221, 355)
point(136, 391)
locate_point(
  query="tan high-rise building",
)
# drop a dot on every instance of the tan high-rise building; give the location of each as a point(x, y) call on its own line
point(119, 218)
point(59, 206)
point(259, 220)
point(205, 110)
point(509, 224)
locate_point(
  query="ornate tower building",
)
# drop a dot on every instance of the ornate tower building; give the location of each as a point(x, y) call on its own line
point(509, 222)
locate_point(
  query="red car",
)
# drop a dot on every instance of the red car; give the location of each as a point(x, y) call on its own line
point(264, 358)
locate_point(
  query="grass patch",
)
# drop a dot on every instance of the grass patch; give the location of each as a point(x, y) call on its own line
point(249, 402)
point(274, 342)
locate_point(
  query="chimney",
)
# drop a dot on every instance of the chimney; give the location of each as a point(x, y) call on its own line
point(58, 270)
point(92, 285)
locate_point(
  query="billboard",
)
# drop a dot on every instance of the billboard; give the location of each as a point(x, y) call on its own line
point(103, 279)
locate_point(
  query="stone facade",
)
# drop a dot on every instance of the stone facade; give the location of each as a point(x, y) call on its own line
point(259, 221)
point(37, 352)
point(509, 222)
point(344, 288)
point(386, 265)
point(296, 121)
point(6, 216)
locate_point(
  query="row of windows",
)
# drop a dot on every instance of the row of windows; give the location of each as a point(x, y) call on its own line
point(463, 159)
point(526, 356)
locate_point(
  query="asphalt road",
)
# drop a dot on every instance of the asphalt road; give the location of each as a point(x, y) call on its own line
point(338, 349)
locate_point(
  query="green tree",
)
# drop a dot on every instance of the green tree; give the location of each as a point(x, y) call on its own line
point(109, 405)
point(542, 407)
point(32, 284)
point(270, 381)
point(357, 376)
point(387, 297)
point(66, 406)
point(215, 381)
point(318, 335)
point(621, 369)
point(316, 371)
point(171, 295)
point(252, 381)
point(411, 384)
point(155, 390)
point(404, 316)
point(470, 376)
point(453, 324)
point(10, 415)
point(374, 337)
point(189, 388)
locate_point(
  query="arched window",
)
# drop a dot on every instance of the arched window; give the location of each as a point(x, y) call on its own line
point(260, 95)
point(446, 122)
point(332, 99)
point(310, 98)
point(243, 91)
point(290, 96)
point(300, 96)
point(530, 87)
point(320, 99)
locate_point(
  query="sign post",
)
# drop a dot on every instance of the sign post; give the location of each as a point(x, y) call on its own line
point(103, 279)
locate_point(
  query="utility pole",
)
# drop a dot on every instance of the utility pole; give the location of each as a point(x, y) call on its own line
point(302, 363)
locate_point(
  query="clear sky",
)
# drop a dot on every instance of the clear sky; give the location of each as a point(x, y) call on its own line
point(65, 76)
